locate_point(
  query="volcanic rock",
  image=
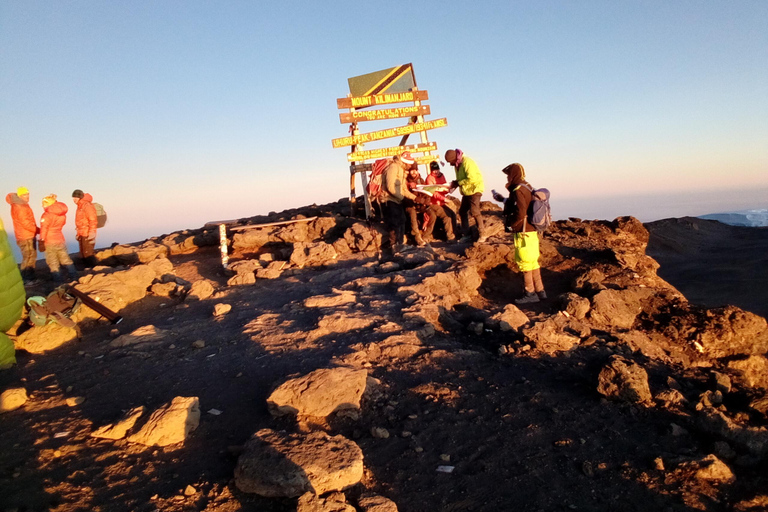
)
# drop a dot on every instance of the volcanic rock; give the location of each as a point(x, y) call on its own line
point(319, 393)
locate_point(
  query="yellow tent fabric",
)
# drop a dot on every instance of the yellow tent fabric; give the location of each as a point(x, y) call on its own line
point(12, 296)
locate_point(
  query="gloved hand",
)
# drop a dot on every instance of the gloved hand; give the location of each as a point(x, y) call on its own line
point(41, 246)
point(498, 197)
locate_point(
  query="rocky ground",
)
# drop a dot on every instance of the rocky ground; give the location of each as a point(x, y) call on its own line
point(310, 377)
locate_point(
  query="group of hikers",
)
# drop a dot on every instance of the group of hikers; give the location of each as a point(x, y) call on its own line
point(48, 237)
point(401, 199)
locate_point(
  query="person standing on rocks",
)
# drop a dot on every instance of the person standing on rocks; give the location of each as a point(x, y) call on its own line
point(393, 191)
point(85, 226)
point(526, 238)
point(52, 239)
point(25, 230)
point(469, 180)
point(437, 208)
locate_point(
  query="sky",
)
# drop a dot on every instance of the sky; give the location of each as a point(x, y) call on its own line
point(176, 113)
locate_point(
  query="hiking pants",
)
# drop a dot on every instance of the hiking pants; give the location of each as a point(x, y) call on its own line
point(470, 205)
point(394, 222)
point(532, 281)
point(413, 214)
point(55, 256)
point(86, 251)
point(28, 257)
point(438, 211)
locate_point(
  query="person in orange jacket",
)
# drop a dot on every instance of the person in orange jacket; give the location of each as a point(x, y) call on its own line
point(25, 229)
point(52, 239)
point(85, 226)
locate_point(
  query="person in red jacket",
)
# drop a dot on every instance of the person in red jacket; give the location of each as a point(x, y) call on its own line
point(437, 208)
point(85, 226)
point(52, 239)
point(25, 229)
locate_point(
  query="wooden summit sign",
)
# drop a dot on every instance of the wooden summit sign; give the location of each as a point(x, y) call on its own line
point(386, 87)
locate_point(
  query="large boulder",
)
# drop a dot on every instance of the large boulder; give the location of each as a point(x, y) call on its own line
point(618, 308)
point(731, 331)
point(624, 380)
point(278, 464)
point(458, 284)
point(306, 254)
point(751, 372)
point(549, 336)
point(319, 393)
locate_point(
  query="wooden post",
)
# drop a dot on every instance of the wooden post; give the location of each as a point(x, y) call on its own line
point(223, 245)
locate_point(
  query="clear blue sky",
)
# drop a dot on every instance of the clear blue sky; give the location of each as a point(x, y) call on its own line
point(174, 113)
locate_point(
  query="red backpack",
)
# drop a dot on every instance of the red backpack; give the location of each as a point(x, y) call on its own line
point(374, 180)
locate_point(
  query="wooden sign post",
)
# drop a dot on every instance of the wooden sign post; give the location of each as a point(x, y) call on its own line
point(386, 87)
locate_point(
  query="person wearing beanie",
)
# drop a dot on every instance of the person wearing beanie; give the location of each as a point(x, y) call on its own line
point(469, 181)
point(52, 239)
point(437, 207)
point(25, 230)
point(86, 223)
point(526, 238)
point(393, 192)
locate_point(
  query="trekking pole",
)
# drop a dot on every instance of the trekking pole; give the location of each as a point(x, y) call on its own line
point(96, 306)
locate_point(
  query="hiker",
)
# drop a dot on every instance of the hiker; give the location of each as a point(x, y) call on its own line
point(469, 180)
point(394, 191)
point(417, 206)
point(52, 240)
point(85, 226)
point(25, 229)
point(526, 238)
point(12, 297)
point(437, 207)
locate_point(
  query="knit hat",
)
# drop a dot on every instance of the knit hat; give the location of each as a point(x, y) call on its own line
point(78, 193)
point(49, 200)
point(434, 166)
point(21, 191)
point(407, 159)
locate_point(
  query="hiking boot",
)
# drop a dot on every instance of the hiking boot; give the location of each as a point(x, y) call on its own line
point(542, 295)
point(465, 239)
point(528, 298)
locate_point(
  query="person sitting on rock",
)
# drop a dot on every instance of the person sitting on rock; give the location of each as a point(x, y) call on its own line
point(52, 239)
point(437, 207)
point(526, 238)
point(415, 207)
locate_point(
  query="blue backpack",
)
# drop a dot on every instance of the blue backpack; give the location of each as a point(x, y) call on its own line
point(539, 215)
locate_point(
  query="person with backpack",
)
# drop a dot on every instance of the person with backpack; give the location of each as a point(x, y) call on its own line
point(469, 180)
point(86, 224)
point(393, 191)
point(437, 208)
point(25, 230)
point(517, 209)
point(52, 240)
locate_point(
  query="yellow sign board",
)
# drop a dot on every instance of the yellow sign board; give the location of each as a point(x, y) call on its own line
point(362, 138)
point(396, 79)
point(381, 99)
point(387, 113)
point(372, 154)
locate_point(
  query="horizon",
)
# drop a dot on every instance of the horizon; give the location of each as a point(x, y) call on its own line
point(179, 113)
point(653, 207)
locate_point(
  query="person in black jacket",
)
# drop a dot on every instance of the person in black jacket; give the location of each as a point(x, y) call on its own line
point(525, 236)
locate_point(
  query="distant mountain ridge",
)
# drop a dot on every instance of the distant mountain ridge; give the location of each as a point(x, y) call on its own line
point(748, 218)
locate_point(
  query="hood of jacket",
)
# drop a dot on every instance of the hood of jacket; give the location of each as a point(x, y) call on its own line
point(13, 198)
point(86, 197)
point(57, 208)
point(515, 174)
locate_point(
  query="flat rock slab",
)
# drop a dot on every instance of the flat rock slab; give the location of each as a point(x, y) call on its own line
point(119, 429)
point(170, 424)
point(279, 464)
point(12, 399)
point(319, 393)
